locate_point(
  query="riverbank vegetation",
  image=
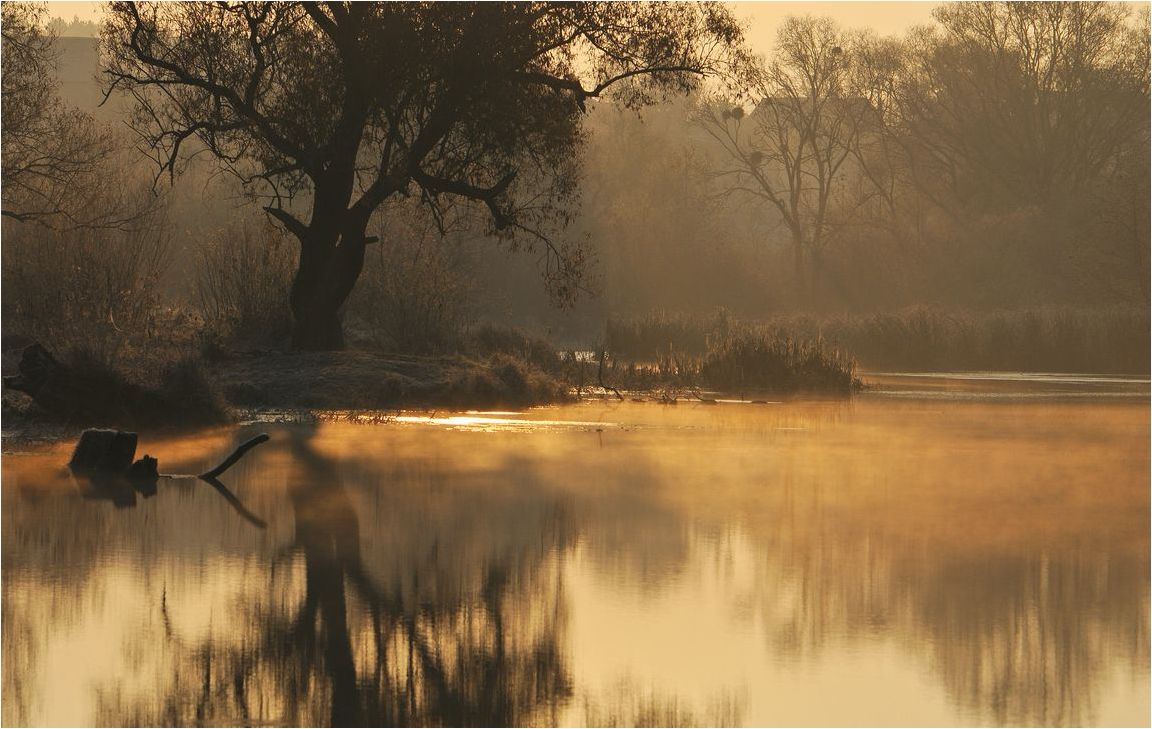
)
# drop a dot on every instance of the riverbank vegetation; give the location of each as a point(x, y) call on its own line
point(1105, 340)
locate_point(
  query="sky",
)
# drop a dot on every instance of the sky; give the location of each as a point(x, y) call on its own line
point(763, 17)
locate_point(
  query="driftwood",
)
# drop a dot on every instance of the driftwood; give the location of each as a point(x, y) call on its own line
point(103, 461)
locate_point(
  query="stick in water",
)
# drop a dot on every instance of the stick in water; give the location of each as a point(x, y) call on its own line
point(236, 456)
point(235, 502)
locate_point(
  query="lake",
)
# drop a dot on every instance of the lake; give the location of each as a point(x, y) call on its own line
point(939, 550)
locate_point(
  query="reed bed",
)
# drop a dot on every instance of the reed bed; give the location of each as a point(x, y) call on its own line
point(1112, 340)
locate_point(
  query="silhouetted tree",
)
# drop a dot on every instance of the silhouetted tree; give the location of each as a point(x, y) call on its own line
point(355, 103)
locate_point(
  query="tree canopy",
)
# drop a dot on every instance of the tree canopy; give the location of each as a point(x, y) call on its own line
point(328, 110)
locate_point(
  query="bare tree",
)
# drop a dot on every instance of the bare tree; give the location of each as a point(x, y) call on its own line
point(351, 104)
point(790, 152)
point(1024, 101)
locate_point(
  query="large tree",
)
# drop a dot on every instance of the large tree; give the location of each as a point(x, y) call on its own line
point(328, 110)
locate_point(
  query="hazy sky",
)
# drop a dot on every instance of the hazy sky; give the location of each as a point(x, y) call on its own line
point(763, 17)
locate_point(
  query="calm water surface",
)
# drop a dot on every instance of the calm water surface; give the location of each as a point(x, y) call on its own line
point(937, 551)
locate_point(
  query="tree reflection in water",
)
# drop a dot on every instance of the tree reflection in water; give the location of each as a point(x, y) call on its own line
point(348, 651)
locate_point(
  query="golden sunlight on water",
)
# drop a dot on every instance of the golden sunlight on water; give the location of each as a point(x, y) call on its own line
point(927, 554)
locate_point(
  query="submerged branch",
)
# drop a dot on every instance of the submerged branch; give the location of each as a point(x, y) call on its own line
point(600, 378)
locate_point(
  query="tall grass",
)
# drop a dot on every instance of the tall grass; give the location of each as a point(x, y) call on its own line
point(744, 361)
point(95, 289)
point(1100, 340)
point(758, 361)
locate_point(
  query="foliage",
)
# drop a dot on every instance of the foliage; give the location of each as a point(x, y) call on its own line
point(487, 341)
point(773, 362)
point(803, 144)
point(1019, 102)
point(1103, 340)
point(415, 294)
point(177, 392)
point(658, 332)
point(861, 146)
point(97, 289)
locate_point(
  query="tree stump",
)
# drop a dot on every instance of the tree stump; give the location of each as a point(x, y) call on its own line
point(103, 452)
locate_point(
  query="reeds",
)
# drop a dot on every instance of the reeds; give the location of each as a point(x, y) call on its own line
point(750, 362)
point(1098, 340)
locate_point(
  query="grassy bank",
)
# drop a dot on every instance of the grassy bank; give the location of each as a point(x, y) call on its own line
point(178, 386)
point(746, 363)
point(174, 386)
point(1106, 341)
point(365, 380)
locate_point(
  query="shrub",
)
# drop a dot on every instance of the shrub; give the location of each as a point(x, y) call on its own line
point(488, 339)
point(95, 289)
point(1101, 340)
point(82, 387)
point(658, 332)
point(754, 361)
point(413, 293)
point(243, 282)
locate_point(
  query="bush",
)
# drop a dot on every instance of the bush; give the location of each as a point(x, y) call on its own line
point(243, 282)
point(82, 388)
point(93, 289)
point(413, 293)
point(1100, 340)
point(657, 333)
point(752, 361)
point(487, 340)
point(503, 380)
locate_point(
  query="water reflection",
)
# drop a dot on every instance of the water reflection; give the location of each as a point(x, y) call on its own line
point(323, 641)
point(972, 564)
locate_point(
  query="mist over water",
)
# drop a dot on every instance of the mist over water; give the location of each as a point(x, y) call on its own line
point(886, 560)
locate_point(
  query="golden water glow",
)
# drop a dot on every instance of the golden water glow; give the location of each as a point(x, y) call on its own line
point(890, 560)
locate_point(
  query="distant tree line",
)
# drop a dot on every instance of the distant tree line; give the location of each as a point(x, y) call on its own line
point(1038, 110)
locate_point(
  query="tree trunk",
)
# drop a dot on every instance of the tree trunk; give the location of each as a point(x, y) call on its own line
point(816, 269)
point(326, 276)
point(317, 328)
point(798, 262)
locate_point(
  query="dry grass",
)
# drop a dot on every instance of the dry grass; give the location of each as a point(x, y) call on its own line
point(759, 362)
point(97, 290)
point(90, 392)
point(1102, 340)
